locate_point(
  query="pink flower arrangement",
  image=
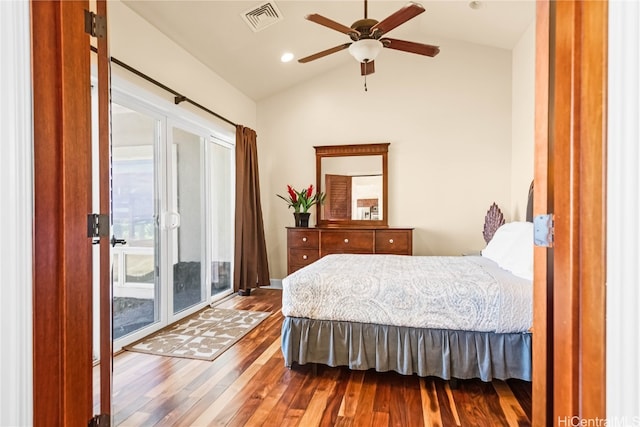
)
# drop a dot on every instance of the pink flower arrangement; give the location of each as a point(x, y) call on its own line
point(301, 201)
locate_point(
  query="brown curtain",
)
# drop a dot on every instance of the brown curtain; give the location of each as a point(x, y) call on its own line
point(251, 266)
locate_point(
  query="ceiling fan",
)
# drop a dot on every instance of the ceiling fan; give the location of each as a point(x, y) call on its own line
point(366, 35)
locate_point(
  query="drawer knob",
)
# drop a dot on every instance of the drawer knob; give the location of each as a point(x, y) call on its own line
point(346, 240)
point(391, 241)
point(304, 257)
point(304, 239)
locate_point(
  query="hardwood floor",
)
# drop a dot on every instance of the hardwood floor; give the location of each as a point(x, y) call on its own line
point(249, 385)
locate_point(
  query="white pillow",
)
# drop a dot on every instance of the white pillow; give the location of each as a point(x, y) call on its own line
point(512, 248)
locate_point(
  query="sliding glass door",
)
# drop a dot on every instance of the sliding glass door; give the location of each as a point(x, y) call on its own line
point(187, 210)
point(134, 189)
point(172, 196)
point(201, 217)
point(221, 162)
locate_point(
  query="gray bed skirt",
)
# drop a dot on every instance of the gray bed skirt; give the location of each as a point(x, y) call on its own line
point(426, 352)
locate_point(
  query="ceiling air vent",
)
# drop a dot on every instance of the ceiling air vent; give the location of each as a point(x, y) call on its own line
point(260, 17)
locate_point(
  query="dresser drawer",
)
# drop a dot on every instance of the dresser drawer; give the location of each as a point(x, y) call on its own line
point(303, 257)
point(338, 241)
point(294, 266)
point(306, 245)
point(397, 242)
point(302, 238)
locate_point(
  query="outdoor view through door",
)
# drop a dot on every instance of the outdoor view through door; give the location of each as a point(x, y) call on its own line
point(172, 203)
point(133, 200)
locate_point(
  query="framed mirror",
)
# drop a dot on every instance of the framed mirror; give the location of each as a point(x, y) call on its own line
point(354, 179)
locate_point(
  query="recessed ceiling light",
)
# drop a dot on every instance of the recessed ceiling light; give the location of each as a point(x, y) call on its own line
point(286, 57)
point(475, 4)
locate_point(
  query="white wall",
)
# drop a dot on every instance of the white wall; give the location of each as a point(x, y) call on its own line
point(623, 210)
point(16, 216)
point(523, 119)
point(448, 120)
point(137, 43)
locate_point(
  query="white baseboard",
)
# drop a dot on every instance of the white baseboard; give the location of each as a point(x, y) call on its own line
point(275, 283)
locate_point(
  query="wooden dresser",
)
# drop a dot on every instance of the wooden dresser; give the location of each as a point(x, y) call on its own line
point(305, 245)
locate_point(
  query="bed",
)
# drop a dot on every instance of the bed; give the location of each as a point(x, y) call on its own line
point(450, 317)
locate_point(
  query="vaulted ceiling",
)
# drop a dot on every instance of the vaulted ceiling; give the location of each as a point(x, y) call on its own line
point(215, 33)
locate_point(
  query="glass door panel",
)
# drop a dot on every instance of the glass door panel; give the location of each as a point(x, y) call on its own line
point(135, 272)
point(221, 217)
point(186, 220)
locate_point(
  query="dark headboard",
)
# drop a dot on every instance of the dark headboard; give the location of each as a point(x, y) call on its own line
point(530, 204)
point(494, 218)
point(492, 221)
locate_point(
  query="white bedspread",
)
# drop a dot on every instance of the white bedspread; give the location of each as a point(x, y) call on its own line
point(461, 293)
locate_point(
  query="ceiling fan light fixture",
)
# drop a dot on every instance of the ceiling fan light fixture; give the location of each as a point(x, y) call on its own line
point(365, 50)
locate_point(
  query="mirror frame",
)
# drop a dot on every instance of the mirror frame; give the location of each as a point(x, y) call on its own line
point(381, 149)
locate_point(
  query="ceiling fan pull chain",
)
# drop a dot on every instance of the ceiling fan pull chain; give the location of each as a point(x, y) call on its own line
point(365, 83)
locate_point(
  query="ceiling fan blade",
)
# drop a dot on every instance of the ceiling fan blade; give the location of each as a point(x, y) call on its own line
point(323, 53)
point(329, 23)
point(400, 17)
point(367, 68)
point(411, 47)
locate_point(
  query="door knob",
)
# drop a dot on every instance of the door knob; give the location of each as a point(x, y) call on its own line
point(115, 241)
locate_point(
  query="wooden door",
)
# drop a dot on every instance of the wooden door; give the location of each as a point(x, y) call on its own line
point(542, 405)
point(337, 204)
point(62, 254)
point(569, 279)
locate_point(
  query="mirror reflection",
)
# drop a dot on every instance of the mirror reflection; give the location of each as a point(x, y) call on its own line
point(354, 180)
point(353, 187)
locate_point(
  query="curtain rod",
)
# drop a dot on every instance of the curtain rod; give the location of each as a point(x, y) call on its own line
point(178, 97)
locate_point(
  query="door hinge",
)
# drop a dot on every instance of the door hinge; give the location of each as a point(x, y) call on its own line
point(95, 25)
point(97, 226)
point(543, 230)
point(101, 420)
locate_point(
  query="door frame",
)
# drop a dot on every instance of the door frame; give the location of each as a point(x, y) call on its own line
point(104, 178)
point(62, 254)
point(542, 402)
point(569, 279)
